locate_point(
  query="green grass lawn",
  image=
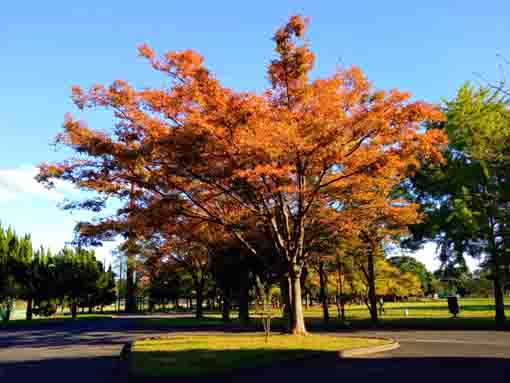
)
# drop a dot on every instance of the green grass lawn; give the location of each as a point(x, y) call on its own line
point(208, 320)
point(195, 355)
point(475, 313)
point(469, 308)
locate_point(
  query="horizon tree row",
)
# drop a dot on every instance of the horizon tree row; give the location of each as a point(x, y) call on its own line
point(71, 277)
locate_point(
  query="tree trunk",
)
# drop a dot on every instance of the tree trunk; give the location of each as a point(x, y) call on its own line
point(286, 301)
point(244, 296)
point(130, 269)
point(340, 298)
point(323, 292)
point(29, 308)
point(199, 311)
point(499, 299)
point(298, 320)
point(372, 298)
point(130, 285)
point(225, 309)
point(74, 310)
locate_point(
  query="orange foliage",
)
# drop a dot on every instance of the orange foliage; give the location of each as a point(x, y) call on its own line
point(198, 151)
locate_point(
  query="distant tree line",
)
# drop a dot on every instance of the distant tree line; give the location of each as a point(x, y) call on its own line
point(71, 278)
point(227, 278)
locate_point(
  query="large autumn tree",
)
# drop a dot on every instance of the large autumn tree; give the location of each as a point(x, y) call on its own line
point(198, 150)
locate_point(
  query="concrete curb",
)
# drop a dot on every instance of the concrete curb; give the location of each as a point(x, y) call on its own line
point(126, 351)
point(124, 364)
point(353, 352)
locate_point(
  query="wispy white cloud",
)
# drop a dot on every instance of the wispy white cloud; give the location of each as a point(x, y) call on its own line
point(19, 184)
point(29, 207)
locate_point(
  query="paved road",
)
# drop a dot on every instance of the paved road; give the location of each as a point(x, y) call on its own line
point(72, 352)
point(88, 352)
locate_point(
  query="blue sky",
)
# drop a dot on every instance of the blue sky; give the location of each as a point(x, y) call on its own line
point(428, 48)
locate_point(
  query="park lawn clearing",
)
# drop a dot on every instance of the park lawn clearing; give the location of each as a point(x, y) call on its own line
point(190, 322)
point(199, 355)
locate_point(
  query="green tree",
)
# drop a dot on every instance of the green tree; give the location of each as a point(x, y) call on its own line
point(467, 198)
point(24, 271)
point(77, 274)
point(46, 291)
point(103, 293)
point(411, 265)
point(8, 242)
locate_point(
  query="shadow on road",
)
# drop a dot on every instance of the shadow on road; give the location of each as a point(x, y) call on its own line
point(65, 370)
point(328, 367)
point(394, 370)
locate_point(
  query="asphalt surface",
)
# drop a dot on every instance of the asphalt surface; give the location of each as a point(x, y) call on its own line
point(89, 352)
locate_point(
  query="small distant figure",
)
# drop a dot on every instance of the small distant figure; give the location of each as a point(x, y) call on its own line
point(406, 312)
point(381, 306)
point(453, 306)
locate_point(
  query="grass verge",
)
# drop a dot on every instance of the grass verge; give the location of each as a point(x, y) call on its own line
point(199, 355)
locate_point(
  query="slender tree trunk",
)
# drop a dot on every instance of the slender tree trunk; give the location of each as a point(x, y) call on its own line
point(29, 308)
point(286, 301)
point(372, 298)
point(225, 309)
point(74, 310)
point(323, 292)
point(199, 310)
point(340, 296)
point(499, 299)
point(119, 284)
point(244, 296)
point(130, 272)
point(298, 320)
point(130, 285)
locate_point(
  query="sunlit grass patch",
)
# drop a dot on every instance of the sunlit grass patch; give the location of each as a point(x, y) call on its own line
point(187, 355)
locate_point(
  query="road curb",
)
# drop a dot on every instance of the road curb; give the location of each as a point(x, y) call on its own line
point(353, 352)
point(126, 351)
point(124, 365)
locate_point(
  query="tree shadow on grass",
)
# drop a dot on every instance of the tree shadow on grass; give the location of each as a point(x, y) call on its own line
point(157, 366)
